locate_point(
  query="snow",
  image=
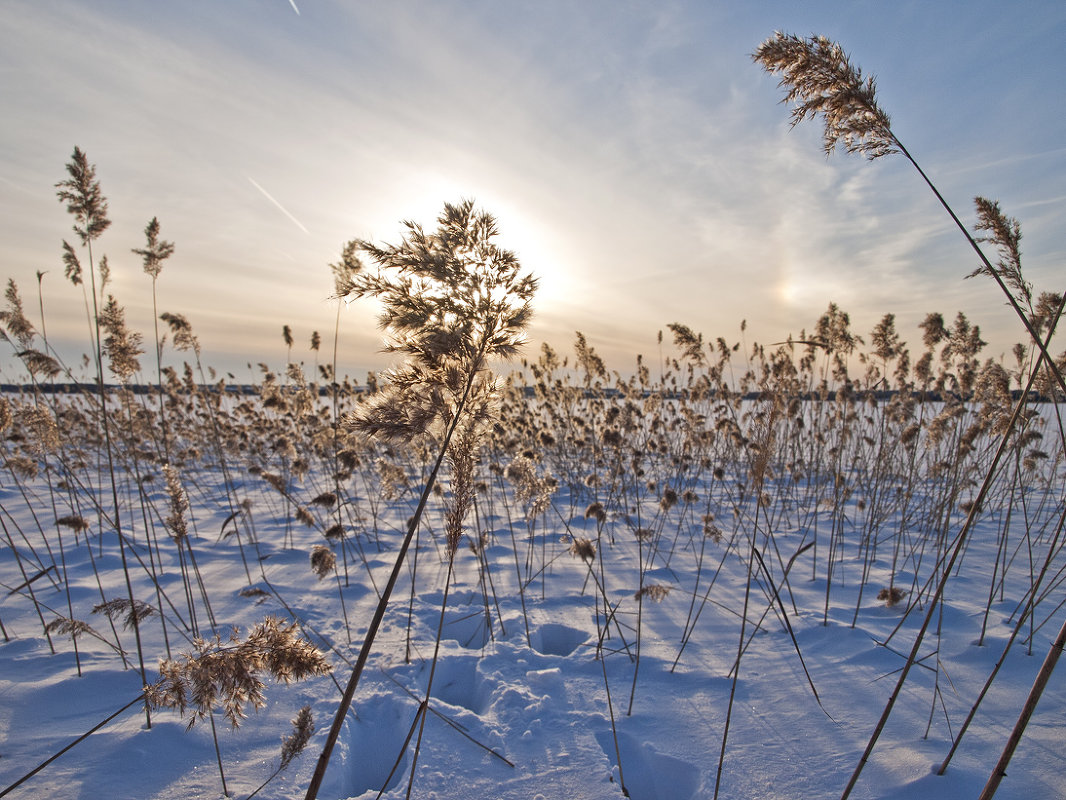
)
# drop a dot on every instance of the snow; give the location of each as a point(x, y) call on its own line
point(519, 705)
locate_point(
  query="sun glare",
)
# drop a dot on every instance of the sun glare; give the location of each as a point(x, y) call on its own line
point(538, 248)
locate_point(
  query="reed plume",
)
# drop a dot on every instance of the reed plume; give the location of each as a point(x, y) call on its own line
point(303, 726)
point(13, 318)
point(76, 523)
point(452, 301)
point(14, 324)
point(155, 251)
point(121, 345)
point(181, 332)
point(582, 548)
point(323, 561)
point(230, 675)
point(84, 198)
point(1006, 234)
point(131, 613)
point(653, 591)
point(178, 503)
point(821, 80)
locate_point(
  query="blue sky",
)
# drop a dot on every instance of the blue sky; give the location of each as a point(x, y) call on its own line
point(634, 156)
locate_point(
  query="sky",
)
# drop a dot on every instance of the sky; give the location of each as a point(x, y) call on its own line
point(635, 158)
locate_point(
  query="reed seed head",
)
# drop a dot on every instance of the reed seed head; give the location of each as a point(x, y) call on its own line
point(76, 523)
point(821, 80)
point(121, 345)
point(131, 613)
point(64, 626)
point(891, 596)
point(14, 319)
point(655, 592)
point(230, 675)
point(323, 561)
point(155, 251)
point(71, 264)
point(181, 332)
point(597, 511)
point(1006, 234)
point(583, 549)
point(85, 201)
point(178, 502)
point(303, 727)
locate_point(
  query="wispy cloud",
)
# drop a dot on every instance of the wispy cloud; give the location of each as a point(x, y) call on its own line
point(1008, 161)
point(281, 208)
point(14, 185)
point(637, 162)
point(1048, 201)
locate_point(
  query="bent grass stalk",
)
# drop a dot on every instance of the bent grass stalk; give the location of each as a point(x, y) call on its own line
point(821, 81)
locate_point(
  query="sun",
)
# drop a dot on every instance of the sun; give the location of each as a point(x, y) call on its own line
point(539, 248)
point(524, 228)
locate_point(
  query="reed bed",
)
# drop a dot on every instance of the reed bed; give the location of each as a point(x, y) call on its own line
point(668, 579)
point(833, 500)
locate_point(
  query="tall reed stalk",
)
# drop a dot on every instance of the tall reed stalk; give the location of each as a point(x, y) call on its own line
point(452, 300)
point(86, 203)
point(154, 253)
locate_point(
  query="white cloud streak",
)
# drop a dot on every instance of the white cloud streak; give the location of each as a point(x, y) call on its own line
point(279, 206)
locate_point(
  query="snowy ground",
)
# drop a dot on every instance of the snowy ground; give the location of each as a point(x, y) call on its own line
point(520, 704)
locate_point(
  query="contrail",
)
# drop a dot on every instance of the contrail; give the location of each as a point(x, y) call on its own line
point(1049, 201)
point(281, 208)
point(294, 8)
point(14, 185)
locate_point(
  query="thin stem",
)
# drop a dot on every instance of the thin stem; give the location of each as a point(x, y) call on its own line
point(934, 601)
point(379, 612)
point(1056, 373)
